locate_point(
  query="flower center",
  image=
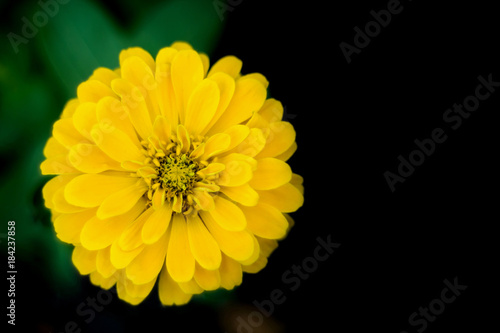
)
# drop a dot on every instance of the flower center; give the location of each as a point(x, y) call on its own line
point(177, 174)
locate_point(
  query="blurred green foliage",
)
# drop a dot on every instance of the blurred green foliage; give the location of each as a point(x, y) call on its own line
point(36, 82)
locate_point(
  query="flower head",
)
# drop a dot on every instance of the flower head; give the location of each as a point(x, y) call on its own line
point(173, 172)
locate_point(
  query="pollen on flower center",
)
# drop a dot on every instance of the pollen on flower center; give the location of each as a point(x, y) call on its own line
point(177, 174)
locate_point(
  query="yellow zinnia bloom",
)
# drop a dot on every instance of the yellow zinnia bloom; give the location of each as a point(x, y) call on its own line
point(168, 170)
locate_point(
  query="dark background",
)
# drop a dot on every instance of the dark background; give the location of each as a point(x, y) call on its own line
point(352, 121)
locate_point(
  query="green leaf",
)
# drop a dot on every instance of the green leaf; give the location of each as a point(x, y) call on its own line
point(79, 39)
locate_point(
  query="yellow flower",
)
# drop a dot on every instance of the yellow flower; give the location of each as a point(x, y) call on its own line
point(169, 171)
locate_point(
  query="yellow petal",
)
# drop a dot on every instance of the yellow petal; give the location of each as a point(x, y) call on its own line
point(253, 143)
point(105, 283)
point(132, 165)
point(191, 287)
point(66, 134)
point(69, 108)
point(61, 205)
point(177, 203)
point(91, 190)
point(169, 291)
point(103, 263)
point(111, 113)
point(231, 274)
point(226, 214)
point(166, 100)
point(265, 221)
point(57, 165)
point(266, 246)
point(287, 153)
point(159, 198)
point(256, 266)
point(257, 121)
point(133, 293)
point(201, 106)
point(69, 226)
point(204, 200)
point(238, 170)
point(201, 186)
point(131, 236)
point(84, 260)
point(122, 201)
point(206, 63)
point(184, 139)
point(121, 258)
point(272, 110)
point(116, 144)
point(98, 234)
point(105, 75)
point(248, 97)
point(286, 198)
point(228, 64)
point(52, 186)
point(135, 105)
point(136, 71)
point(157, 224)
point(179, 46)
point(180, 260)
point(137, 52)
point(297, 181)
point(148, 264)
point(259, 77)
point(139, 291)
point(89, 158)
point(235, 244)
point(166, 55)
point(271, 173)
point(211, 169)
point(85, 118)
point(243, 194)
point(187, 73)
point(238, 134)
point(280, 137)
point(215, 144)
point(54, 148)
point(93, 91)
point(226, 86)
point(203, 246)
point(255, 255)
point(208, 280)
point(162, 129)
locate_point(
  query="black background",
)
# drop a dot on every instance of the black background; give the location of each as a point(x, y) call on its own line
point(353, 121)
